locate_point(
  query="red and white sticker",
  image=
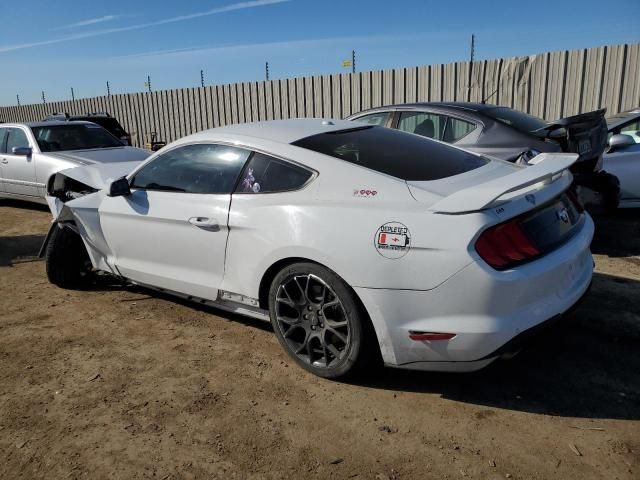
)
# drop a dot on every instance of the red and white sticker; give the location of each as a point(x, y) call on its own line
point(393, 240)
point(364, 192)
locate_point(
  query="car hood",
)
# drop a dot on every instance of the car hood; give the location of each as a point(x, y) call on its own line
point(99, 175)
point(102, 155)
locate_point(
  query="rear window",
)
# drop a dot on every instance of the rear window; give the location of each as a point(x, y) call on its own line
point(518, 120)
point(109, 123)
point(399, 154)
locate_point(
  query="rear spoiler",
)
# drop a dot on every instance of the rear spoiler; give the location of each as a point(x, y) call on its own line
point(545, 167)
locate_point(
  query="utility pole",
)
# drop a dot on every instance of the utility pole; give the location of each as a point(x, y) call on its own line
point(108, 89)
point(266, 70)
point(73, 96)
point(44, 100)
point(353, 61)
point(18, 98)
point(202, 78)
point(473, 52)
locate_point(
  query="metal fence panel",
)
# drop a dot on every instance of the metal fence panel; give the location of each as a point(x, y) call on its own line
point(548, 85)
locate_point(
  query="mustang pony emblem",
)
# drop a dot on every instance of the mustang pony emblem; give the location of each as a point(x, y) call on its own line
point(563, 214)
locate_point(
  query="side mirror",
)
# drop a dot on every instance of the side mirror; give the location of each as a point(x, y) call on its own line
point(119, 188)
point(620, 141)
point(22, 151)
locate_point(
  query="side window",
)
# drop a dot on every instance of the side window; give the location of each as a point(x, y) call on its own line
point(3, 132)
point(200, 168)
point(16, 138)
point(428, 125)
point(457, 129)
point(378, 118)
point(265, 174)
point(633, 130)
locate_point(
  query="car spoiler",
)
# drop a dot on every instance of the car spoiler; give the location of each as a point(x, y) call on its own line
point(544, 167)
point(582, 121)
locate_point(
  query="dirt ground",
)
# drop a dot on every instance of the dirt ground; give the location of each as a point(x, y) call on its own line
point(118, 382)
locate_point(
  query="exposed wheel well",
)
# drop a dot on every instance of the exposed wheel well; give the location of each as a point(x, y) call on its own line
point(272, 271)
point(270, 274)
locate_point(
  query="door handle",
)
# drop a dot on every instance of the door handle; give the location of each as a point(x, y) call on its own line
point(5, 161)
point(205, 223)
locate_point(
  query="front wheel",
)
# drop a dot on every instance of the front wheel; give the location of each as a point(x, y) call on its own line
point(67, 261)
point(318, 321)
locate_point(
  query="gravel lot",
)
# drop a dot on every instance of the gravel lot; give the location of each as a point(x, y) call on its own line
point(119, 382)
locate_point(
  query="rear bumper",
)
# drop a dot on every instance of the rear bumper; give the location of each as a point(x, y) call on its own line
point(491, 313)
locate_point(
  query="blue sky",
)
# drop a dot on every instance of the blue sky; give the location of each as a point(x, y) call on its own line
point(53, 45)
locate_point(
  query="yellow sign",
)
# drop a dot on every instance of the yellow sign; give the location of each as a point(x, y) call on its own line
point(346, 63)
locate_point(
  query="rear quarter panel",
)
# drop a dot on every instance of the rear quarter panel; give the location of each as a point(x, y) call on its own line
point(332, 223)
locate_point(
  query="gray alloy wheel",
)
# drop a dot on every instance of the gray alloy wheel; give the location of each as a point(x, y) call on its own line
point(317, 320)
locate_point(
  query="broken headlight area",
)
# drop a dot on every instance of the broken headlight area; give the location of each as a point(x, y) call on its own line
point(66, 188)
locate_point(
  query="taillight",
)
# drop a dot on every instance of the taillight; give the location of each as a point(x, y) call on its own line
point(429, 336)
point(505, 245)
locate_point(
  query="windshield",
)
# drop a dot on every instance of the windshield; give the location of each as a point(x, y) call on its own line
point(56, 138)
point(402, 155)
point(520, 121)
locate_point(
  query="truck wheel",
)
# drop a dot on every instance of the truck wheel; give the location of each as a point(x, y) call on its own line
point(67, 261)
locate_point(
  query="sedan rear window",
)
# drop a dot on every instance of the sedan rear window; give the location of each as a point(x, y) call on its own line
point(399, 154)
point(520, 121)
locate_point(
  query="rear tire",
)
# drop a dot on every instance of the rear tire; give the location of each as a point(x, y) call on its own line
point(319, 322)
point(67, 261)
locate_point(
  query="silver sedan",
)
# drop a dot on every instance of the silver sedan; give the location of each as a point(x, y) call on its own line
point(32, 153)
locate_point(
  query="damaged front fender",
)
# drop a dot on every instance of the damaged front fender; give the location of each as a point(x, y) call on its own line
point(74, 197)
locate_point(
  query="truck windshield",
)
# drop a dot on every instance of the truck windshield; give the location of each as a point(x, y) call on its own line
point(56, 138)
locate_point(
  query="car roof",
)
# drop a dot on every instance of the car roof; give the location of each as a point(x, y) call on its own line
point(622, 117)
point(458, 106)
point(45, 123)
point(283, 131)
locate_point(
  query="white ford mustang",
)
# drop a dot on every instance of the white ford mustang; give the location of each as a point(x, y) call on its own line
point(356, 241)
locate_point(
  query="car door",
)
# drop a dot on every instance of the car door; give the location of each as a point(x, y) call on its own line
point(427, 124)
point(3, 133)
point(625, 164)
point(171, 231)
point(18, 170)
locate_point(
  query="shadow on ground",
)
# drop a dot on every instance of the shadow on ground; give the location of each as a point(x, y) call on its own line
point(22, 248)
point(617, 234)
point(9, 202)
point(585, 366)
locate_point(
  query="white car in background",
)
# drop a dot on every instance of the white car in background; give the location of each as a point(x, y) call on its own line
point(355, 241)
point(31, 154)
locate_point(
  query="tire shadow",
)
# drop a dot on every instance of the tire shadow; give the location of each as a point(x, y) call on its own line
point(19, 249)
